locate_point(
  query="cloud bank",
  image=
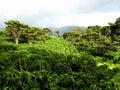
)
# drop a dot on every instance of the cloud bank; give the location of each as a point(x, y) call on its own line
point(57, 13)
point(103, 6)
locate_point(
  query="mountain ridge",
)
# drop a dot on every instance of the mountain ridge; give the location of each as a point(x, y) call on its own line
point(64, 29)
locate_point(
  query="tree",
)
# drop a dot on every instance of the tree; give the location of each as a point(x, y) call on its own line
point(78, 30)
point(92, 35)
point(14, 29)
point(47, 31)
point(31, 33)
point(57, 33)
point(115, 30)
point(40, 35)
point(105, 30)
point(3, 37)
point(73, 37)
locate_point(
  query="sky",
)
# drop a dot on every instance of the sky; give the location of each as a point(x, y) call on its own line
point(59, 13)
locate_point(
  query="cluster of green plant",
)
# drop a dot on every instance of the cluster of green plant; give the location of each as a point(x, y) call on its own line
point(103, 42)
point(81, 60)
point(36, 68)
point(18, 31)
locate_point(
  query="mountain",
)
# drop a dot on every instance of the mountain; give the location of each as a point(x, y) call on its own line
point(62, 30)
point(2, 28)
point(65, 29)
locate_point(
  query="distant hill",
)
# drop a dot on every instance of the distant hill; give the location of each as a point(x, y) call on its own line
point(1, 28)
point(61, 29)
point(66, 29)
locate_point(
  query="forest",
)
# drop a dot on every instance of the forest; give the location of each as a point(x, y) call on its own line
point(34, 58)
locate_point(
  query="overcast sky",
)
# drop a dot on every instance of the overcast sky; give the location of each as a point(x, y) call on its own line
point(58, 13)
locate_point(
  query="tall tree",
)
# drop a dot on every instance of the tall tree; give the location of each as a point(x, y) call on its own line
point(71, 36)
point(92, 35)
point(29, 33)
point(14, 29)
point(40, 34)
point(115, 30)
point(105, 30)
point(33, 33)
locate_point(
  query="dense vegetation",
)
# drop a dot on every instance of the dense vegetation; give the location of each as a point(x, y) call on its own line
point(32, 59)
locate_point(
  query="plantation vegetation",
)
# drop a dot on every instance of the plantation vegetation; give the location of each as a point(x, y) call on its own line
point(32, 58)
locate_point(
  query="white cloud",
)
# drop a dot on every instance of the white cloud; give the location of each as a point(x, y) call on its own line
point(60, 12)
point(87, 6)
point(87, 19)
point(12, 8)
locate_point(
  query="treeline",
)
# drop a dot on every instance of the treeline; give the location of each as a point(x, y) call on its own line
point(96, 36)
point(20, 32)
point(78, 60)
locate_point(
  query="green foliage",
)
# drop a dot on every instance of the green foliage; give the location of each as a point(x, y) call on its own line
point(80, 61)
point(73, 37)
point(14, 29)
point(3, 37)
point(20, 32)
point(47, 31)
point(38, 67)
point(115, 30)
point(113, 56)
point(78, 30)
point(7, 47)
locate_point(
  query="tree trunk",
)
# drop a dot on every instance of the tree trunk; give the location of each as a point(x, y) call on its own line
point(16, 40)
